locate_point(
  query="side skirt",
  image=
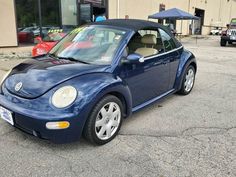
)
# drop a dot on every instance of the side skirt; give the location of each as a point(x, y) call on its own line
point(152, 100)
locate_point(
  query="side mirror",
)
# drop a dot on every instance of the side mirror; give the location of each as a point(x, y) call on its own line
point(134, 58)
point(38, 40)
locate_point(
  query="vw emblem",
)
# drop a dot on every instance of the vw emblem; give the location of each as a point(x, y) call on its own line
point(18, 86)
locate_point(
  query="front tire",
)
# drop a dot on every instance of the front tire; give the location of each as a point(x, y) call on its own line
point(104, 121)
point(188, 81)
point(223, 43)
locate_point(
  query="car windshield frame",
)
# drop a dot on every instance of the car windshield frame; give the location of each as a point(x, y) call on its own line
point(83, 44)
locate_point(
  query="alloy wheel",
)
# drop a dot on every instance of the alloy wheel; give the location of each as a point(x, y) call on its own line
point(189, 80)
point(107, 121)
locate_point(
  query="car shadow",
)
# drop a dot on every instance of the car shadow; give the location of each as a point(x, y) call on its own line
point(157, 104)
point(231, 45)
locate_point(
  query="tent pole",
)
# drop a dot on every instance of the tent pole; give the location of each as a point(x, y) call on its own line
point(181, 29)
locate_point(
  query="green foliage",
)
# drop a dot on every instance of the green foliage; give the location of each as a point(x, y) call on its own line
point(27, 12)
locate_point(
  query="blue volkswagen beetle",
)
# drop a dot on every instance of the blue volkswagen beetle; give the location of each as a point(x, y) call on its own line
point(93, 78)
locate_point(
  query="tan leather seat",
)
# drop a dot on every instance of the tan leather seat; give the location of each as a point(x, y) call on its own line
point(148, 39)
point(135, 43)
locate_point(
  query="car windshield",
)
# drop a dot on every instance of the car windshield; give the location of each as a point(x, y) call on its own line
point(233, 22)
point(90, 44)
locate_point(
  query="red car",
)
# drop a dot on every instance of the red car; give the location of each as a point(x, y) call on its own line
point(26, 35)
point(45, 45)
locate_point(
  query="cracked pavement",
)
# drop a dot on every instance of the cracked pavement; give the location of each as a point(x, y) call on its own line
point(181, 136)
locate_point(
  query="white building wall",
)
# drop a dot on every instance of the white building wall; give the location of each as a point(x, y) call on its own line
point(217, 12)
point(8, 32)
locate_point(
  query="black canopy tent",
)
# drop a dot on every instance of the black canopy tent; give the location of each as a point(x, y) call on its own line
point(174, 14)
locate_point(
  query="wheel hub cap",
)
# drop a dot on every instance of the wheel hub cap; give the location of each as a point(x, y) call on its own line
point(107, 121)
point(189, 80)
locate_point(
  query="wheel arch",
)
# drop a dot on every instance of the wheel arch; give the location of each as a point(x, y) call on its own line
point(194, 64)
point(108, 85)
point(123, 100)
point(120, 91)
point(187, 59)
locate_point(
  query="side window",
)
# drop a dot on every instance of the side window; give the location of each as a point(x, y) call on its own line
point(168, 42)
point(146, 43)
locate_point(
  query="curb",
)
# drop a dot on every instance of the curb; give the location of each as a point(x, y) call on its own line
point(14, 55)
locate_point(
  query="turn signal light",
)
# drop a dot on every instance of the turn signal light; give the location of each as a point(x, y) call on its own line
point(57, 125)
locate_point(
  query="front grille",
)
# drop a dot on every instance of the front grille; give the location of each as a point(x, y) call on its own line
point(233, 32)
point(26, 130)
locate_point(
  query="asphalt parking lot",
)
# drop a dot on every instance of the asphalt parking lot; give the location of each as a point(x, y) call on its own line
point(190, 136)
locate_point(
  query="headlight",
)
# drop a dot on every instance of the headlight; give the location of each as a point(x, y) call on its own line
point(64, 97)
point(229, 32)
point(5, 76)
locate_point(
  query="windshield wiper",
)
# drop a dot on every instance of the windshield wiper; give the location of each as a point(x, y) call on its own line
point(68, 58)
point(73, 59)
point(52, 55)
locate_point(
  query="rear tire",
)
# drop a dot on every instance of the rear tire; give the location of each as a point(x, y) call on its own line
point(104, 121)
point(188, 81)
point(230, 42)
point(223, 43)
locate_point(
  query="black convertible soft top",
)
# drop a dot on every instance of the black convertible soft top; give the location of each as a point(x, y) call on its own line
point(136, 25)
point(132, 24)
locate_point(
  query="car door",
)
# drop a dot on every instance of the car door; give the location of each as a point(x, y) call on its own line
point(149, 79)
point(172, 55)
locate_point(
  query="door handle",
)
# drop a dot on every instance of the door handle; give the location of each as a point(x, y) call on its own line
point(164, 62)
point(161, 63)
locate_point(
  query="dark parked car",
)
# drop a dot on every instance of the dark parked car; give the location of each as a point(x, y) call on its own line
point(93, 78)
point(44, 31)
point(229, 36)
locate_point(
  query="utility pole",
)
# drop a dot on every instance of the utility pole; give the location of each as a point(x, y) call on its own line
point(189, 1)
point(40, 18)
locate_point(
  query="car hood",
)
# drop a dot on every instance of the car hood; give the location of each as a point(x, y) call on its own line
point(36, 76)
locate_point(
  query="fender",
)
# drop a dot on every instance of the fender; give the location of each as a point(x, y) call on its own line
point(93, 87)
point(186, 59)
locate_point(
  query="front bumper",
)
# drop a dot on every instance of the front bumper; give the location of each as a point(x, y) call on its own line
point(34, 122)
point(38, 128)
point(228, 39)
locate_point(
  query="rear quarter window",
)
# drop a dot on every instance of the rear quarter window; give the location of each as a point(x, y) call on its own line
point(168, 41)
